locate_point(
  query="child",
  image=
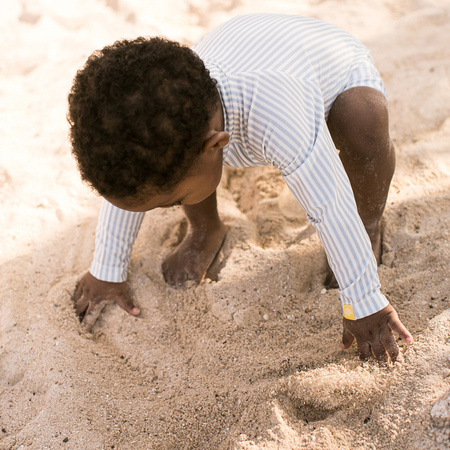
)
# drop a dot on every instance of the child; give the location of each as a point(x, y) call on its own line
point(153, 122)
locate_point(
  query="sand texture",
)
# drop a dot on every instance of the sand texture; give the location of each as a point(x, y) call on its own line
point(250, 359)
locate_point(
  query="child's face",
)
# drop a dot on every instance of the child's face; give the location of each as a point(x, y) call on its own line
point(199, 183)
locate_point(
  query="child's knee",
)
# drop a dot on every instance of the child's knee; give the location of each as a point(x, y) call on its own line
point(359, 122)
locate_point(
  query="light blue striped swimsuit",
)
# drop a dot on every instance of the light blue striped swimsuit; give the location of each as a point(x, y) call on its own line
point(278, 76)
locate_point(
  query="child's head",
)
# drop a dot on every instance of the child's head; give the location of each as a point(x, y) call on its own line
point(139, 112)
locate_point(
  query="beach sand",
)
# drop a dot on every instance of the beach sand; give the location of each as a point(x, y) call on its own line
point(250, 359)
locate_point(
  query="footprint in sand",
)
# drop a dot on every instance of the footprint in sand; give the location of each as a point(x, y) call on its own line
point(320, 393)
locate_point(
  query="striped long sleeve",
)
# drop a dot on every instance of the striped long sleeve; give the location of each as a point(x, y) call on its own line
point(114, 238)
point(322, 188)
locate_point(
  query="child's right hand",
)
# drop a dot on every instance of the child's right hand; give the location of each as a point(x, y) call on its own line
point(92, 295)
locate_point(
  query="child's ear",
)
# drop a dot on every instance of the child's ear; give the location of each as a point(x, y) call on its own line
point(216, 141)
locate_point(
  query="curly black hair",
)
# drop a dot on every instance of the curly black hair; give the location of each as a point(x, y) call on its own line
point(138, 113)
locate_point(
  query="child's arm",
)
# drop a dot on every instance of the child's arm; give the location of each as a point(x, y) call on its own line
point(116, 232)
point(321, 186)
point(287, 122)
point(105, 282)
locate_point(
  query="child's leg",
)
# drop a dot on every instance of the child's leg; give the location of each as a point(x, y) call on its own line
point(205, 236)
point(359, 125)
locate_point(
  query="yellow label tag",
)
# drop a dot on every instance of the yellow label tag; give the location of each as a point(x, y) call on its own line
point(348, 312)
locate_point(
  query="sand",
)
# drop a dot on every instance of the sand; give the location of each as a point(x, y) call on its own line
point(249, 359)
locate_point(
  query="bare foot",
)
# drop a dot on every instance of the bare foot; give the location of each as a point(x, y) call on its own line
point(191, 259)
point(375, 235)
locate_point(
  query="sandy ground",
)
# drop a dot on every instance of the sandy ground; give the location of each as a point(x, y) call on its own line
point(249, 359)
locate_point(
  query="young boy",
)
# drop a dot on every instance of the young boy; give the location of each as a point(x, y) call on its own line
point(153, 122)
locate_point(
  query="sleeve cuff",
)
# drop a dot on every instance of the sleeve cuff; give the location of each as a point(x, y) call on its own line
point(371, 304)
point(108, 273)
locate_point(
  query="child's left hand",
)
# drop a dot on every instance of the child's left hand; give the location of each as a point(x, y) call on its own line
point(373, 334)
